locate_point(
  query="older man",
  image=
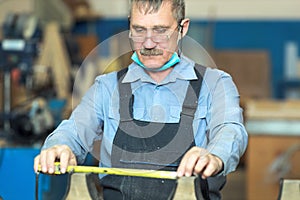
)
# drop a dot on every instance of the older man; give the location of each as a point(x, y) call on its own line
point(162, 112)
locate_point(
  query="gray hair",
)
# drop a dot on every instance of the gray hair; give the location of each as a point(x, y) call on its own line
point(152, 6)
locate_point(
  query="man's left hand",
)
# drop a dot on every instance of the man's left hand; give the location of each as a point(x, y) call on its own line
point(199, 161)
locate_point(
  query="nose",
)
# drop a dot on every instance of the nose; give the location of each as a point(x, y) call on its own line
point(148, 43)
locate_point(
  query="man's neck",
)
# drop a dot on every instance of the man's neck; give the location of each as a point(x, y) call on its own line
point(159, 76)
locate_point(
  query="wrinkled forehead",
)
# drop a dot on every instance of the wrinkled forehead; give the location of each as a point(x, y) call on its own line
point(149, 7)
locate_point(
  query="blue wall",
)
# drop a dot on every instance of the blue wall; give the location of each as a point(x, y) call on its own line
point(266, 35)
point(235, 35)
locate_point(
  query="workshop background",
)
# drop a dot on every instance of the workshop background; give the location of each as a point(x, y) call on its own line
point(44, 43)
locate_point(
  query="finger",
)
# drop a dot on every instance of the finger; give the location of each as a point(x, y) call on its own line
point(64, 160)
point(201, 164)
point(36, 163)
point(187, 163)
point(52, 154)
point(43, 161)
point(72, 157)
point(181, 171)
point(191, 163)
point(181, 167)
point(214, 166)
point(210, 170)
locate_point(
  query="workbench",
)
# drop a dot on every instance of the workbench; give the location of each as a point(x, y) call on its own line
point(274, 130)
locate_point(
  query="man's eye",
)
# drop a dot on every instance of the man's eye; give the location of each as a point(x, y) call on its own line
point(139, 30)
point(160, 30)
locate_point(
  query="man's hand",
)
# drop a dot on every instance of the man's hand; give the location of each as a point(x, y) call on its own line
point(199, 161)
point(47, 158)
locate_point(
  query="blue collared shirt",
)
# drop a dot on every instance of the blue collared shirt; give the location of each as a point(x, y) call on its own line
point(218, 122)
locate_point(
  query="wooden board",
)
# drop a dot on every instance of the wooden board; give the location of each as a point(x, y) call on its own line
point(86, 44)
point(55, 56)
point(250, 71)
point(261, 154)
point(272, 109)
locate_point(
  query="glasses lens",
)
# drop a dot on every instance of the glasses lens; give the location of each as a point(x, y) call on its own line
point(160, 38)
point(154, 38)
point(138, 38)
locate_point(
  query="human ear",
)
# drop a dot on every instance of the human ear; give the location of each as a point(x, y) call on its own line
point(184, 26)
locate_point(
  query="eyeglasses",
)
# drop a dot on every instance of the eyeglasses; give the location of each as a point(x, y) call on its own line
point(155, 37)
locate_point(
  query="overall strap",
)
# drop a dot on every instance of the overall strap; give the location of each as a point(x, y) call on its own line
point(189, 105)
point(125, 96)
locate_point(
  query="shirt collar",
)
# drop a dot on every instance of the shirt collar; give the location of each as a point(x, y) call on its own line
point(183, 70)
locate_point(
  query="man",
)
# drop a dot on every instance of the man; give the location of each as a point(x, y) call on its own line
point(162, 112)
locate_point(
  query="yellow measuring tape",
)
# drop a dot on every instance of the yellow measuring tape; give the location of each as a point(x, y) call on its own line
point(117, 171)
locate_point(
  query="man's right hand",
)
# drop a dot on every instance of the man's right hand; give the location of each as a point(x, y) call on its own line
point(47, 158)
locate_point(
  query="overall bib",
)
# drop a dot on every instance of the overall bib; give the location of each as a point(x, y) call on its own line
point(151, 145)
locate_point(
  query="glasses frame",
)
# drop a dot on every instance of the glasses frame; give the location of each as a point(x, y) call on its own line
point(155, 38)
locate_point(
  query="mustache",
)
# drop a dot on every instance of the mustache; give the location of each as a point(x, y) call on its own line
point(151, 52)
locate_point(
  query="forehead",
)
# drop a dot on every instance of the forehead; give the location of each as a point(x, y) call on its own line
point(142, 15)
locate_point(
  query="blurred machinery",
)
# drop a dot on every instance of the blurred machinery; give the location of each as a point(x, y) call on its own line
point(19, 48)
point(37, 55)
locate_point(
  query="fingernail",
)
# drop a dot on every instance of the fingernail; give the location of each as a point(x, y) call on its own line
point(44, 169)
point(63, 170)
point(187, 174)
point(51, 170)
point(179, 174)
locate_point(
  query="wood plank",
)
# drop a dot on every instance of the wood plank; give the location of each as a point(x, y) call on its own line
point(250, 71)
point(55, 56)
point(262, 152)
point(267, 109)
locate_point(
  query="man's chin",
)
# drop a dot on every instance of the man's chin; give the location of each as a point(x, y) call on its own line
point(152, 62)
point(154, 67)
